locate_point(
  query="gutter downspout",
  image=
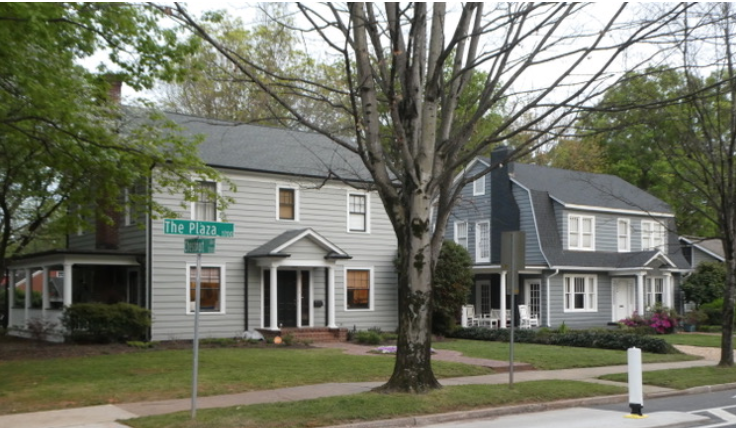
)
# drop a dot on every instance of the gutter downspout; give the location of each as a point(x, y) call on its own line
point(547, 281)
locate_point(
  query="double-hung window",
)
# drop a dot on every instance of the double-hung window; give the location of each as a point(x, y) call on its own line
point(461, 233)
point(357, 213)
point(482, 242)
point(358, 288)
point(479, 186)
point(205, 207)
point(211, 288)
point(654, 289)
point(580, 232)
point(623, 235)
point(581, 293)
point(287, 204)
point(653, 235)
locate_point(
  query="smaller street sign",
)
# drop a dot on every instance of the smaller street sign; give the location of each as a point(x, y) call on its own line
point(200, 246)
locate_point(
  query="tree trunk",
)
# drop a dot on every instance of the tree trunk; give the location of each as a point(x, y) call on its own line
point(727, 356)
point(413, 369)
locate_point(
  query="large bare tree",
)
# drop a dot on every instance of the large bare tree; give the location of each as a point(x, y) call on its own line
point(407, 66)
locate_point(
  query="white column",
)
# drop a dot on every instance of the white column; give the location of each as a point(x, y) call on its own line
point(67, 298)
point(273, 298)
point(667, 291)
point(45, 289)
point(299, 298)
point(641, 294)
point(29, 293)
point(502, 294)
point(11, 295)
point(331, 322)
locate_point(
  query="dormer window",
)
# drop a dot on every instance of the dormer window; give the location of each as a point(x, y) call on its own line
point(581, 232)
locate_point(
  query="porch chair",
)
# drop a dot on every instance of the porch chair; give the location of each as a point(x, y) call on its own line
point(469, 316)
point(527, 320)
point(496, 318)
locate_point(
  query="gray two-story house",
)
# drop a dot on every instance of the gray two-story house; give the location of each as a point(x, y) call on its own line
point(597, 248)
point(312, 248)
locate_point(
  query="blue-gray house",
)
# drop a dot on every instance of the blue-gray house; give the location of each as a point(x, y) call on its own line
point(597, 248)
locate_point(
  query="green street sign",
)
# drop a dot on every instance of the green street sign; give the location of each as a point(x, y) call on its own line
point(199, 228)
point(200, 246)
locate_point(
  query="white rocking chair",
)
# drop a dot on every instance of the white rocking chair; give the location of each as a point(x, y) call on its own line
point(527, 320)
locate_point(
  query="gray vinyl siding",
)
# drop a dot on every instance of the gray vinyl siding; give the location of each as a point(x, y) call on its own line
point(605, 228)
point(323, 209)
point(699, 256)
point(600, 318)
point(527, 224)
point(471, 208)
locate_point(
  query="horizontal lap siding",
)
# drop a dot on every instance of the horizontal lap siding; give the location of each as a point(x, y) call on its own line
point(600, 318)
point(533, 254)
point(254, 214)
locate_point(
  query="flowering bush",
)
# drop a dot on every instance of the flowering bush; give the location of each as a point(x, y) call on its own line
point(663, 321)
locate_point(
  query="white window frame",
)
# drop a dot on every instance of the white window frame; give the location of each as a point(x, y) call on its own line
point(653, 235)
point(367, 212)
point(189, 306)
point(296, 203)
point(651, 283)
point(580, 233)
point(193, 204)
point(590, 293)
point(482, 242)
point(479, 186)
point(623, 238)
point(459, 236)
point(371, 296)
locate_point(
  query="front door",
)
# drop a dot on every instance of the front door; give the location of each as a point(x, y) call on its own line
point(287, 298)
point(623, 298)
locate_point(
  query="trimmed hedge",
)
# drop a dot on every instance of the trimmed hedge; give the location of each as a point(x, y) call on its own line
point(576, 338)
point(101, 323)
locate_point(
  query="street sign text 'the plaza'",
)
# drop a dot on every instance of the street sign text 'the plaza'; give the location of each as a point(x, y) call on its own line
point(198, 228)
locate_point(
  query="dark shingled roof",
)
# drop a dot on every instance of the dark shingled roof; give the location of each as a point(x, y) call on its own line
point(587, 189)
point(547, 227)
point(269, 249)
point(273, 150)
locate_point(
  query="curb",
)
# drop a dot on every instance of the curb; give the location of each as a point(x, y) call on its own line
point(425, 420)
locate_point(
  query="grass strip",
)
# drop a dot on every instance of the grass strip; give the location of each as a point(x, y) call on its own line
point(158, 375)
point(682, 378)
point(372, 406)
point(695, 339)
point(549, 357)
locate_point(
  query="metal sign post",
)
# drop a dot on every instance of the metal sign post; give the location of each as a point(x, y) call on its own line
point(512, 261)
point(198, 246)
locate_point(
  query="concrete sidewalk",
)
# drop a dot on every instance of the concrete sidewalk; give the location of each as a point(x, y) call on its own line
point(107, 415)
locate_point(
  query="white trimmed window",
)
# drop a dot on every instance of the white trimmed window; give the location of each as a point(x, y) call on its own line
point(654, 291)
point(479, 186)
point(580, 232)
point(205, 207)
point(359, 289)
point(211, 288)
point(461, 233)
point(357, 212)
point(287, 203)
point(653, 235)
point(482, 242)
point(623, 235)
point(580, 293)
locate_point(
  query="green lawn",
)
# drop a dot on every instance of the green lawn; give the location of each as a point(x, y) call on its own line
point(683, 378)
point(370, 406)
point(155, 375)
point(694, 339)
point(547, 357)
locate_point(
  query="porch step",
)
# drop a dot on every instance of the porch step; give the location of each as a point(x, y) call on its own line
point(308, 334)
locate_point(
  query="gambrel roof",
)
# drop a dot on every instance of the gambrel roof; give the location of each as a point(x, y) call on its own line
point(575, 189)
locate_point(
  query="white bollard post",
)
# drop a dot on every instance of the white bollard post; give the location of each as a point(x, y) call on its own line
point(634, 374)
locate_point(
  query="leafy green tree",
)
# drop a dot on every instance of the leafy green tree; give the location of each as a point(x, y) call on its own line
point(67, 149)
point(706, 284)
point(453, 279)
